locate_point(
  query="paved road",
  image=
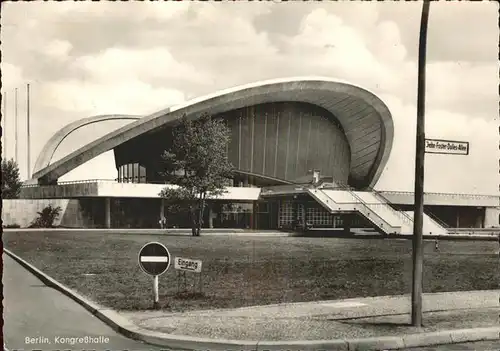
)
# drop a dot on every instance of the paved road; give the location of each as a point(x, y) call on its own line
point(473, 346)
point(37, 317)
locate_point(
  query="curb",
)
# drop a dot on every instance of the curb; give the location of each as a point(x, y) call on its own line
point(180, 342)
point(177, 233)
point(243, 233)
point(256, 233)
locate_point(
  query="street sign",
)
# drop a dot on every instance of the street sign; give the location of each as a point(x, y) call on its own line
point(187, 264)
point(154, 259)
point(449, 147)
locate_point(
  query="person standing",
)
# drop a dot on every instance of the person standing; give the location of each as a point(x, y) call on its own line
point(163, 222)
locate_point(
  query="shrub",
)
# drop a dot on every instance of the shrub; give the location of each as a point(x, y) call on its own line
point(46, 217)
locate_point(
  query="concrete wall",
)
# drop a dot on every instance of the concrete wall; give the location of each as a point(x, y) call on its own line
point(63, 191)
point(286, 140)
point(442, 199)
point(23, 212)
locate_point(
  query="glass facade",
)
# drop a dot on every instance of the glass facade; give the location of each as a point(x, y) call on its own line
point(234, 215)
point(316, 216)
point(132, 173)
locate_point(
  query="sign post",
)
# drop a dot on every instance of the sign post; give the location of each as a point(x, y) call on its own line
point(156, 294)
point(154, 259)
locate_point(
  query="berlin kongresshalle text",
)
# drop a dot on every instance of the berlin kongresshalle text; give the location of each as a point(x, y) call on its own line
point(67, 340)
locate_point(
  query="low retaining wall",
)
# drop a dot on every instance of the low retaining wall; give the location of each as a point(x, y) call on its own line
point(23, 212)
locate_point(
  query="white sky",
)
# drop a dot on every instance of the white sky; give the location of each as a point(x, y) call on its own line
point(88, 58)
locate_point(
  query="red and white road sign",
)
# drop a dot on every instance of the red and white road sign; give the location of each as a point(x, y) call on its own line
point(154, 258)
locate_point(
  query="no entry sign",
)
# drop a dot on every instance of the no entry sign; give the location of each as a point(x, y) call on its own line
point(154, 258)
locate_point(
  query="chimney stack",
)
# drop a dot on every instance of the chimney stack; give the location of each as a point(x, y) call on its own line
point(316, 176)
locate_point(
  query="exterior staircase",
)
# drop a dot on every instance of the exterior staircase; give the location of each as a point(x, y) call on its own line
point(370, 204)
point(376, 209)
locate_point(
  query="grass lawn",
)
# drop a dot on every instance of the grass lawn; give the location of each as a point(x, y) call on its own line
point(243, 271)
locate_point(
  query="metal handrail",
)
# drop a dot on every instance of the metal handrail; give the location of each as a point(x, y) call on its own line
point(363, 204)
point(442, 194)
point(71, 182)
point(376, 192)
point(399, 213)
point(360, 204)
point(436, 219)
point(404, 214)
point(428, 213)
point(84, 181)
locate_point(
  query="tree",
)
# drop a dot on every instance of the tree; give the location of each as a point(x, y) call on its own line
point(11, 181)
point(196, 163)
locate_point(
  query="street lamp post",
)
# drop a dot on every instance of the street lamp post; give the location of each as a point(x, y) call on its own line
point(28, 130)
point(416, 298)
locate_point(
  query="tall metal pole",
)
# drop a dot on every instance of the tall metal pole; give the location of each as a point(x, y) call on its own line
point(4, 131)
point(16, 155)
point(418, 252)
point(28, 128)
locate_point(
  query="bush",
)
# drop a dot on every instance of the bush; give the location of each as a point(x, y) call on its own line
point(46, 217)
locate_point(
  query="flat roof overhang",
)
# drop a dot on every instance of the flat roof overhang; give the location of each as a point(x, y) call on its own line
point(364, 118)
point(114, 189)
point(93, 189)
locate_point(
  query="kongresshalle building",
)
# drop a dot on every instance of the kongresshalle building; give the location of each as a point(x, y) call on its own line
point(305, 150)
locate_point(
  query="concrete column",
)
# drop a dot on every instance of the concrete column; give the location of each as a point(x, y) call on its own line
point(491, 217)
point(347, 224)
point(162, 208)
point(305, 216)
point(107, 212)
point(480, 219)
point(296, 209)
point(255, 217)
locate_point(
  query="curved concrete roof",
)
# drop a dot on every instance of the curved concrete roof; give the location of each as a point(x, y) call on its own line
point(51, 146)
point(366, 121)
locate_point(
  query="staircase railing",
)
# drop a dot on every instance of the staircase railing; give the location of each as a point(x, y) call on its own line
point(400, 214)
point(427, 212)
point(436, 219)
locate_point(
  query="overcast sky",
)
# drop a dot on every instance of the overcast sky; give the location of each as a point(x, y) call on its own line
point(89, 58)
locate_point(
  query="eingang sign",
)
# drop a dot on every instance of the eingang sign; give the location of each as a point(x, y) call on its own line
point(187, 264)
point(449, 147)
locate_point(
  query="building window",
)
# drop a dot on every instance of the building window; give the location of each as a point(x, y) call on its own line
point(142, 174)
point(135, 170)
point(132, 173)
point(318, 217)
point(125, 173)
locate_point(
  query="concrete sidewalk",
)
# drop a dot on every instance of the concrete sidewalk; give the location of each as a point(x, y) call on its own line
point(387, 316)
